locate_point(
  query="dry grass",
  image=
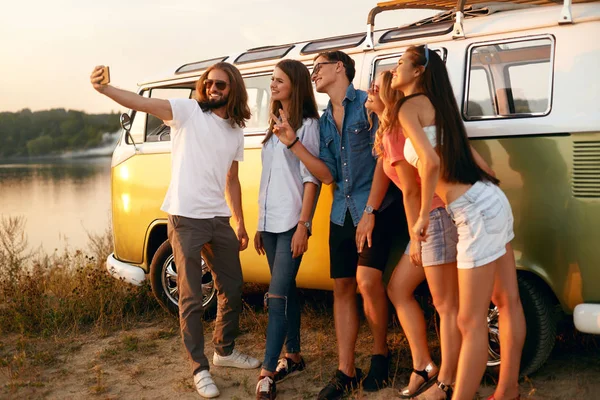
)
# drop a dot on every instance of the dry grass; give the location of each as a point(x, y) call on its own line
point(66, 292)
point(147, 360)
point(67, 326)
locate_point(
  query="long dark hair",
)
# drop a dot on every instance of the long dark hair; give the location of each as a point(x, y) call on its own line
point(456, 159)
point(302, 102)
point(238, 111)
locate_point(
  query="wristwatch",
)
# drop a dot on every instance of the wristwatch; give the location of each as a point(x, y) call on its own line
point(305, 223)
point(370, 210)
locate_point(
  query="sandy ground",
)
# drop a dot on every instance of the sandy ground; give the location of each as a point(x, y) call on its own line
point(148, 363)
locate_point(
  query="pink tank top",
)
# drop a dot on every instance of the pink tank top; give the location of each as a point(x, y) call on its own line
point(393, 145)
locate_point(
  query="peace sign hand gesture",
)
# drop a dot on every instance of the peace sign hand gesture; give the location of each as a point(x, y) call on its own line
point(282, 128)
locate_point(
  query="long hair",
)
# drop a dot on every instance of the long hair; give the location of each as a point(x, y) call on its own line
point(302, 101)
point(456, 158)
point(388, 123)
point(238, 111)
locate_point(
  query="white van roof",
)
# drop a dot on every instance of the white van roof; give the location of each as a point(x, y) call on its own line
point(507, 15)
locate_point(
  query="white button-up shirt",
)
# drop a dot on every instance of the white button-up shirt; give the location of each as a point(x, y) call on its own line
point(282, 180)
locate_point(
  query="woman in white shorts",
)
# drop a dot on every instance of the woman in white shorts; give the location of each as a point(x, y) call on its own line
point(438, 146)
point(437, 254)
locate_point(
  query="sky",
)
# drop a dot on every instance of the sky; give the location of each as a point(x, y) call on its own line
point(49, 48)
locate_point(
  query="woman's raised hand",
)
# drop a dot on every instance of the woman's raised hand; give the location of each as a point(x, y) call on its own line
point(282, 128)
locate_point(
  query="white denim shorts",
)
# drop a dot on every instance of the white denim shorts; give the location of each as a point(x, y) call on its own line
point(484, 220)
point(440, 247)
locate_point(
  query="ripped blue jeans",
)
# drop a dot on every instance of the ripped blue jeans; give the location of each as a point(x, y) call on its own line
point(281, 299)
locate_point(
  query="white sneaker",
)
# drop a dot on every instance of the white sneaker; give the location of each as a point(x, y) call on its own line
point(236, 360)
point(205, 385)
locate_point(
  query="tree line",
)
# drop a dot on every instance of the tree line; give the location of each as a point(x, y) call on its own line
point(27, 133)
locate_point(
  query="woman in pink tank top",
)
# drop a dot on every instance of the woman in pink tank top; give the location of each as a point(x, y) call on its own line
point(437, 255)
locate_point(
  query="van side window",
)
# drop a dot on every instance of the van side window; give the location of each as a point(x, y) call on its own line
point(481, 99)
point(322, 99)
point(138, 125)
point(156, 131)
point(259, 98)
point(389, 62)
point(511, 78)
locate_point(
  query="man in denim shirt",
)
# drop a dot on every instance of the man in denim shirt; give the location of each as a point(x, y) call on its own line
point(366, 208)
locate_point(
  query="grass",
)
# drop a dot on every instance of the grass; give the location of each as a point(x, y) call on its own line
point(54, 308)
point(64, 292)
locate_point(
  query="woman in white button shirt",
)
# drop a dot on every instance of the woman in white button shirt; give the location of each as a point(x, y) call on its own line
point(286, 202)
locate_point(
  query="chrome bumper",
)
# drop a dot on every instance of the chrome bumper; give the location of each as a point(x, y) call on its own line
point(587, 318)
point(120, 270)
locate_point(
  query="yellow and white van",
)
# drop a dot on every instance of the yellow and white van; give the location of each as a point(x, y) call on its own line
point(526, 74)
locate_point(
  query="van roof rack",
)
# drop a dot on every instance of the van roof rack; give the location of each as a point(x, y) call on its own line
point(199, 65)
point(455, 10)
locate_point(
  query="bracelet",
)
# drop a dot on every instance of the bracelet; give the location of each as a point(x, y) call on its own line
point(293, 143)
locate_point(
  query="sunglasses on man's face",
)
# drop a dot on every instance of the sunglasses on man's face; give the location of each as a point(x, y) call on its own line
point(220, 85)
point(317, 67)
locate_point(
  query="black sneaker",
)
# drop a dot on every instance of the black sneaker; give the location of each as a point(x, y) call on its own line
point(286, 367)
point(378, 375)
point(339, 385)
point(265, 389)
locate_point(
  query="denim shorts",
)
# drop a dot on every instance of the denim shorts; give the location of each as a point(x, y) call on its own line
point(440, 246)
point(484, 220)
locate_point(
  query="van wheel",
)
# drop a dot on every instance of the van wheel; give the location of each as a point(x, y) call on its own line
point(541, 329)
point(163, 278)
point(541, 325)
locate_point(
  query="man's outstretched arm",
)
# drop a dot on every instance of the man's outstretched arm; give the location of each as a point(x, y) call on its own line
point(159, 108)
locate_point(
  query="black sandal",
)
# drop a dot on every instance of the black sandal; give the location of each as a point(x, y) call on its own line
point(428, 381)
point(446, 389)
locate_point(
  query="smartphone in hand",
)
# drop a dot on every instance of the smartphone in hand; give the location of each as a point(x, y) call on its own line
point(105, 76)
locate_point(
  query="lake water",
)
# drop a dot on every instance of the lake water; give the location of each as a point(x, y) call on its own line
point(61, 199)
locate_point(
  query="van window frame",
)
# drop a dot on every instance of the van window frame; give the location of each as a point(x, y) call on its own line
point(308, 50)
point(246, 57)
point(149, 117)
point(443, 51)
point(249, 132)
point(467, 77)
point(199, 65)
point(411, 32)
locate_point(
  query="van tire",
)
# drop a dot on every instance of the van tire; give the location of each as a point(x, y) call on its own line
point(541, 328)
point(541, 324)
point(163, 279)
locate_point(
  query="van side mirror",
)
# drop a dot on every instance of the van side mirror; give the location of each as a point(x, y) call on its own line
point(125, 121)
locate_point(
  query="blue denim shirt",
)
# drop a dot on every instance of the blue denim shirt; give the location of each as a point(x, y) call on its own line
point(349, 157)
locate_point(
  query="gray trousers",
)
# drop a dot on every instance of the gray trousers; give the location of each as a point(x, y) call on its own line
point(215, 240)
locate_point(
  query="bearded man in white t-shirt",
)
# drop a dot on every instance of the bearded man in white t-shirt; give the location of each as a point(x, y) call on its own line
point(207, 144)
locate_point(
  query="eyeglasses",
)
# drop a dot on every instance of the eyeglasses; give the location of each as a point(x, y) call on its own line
point(426, 56)
point(374, 89)
point(317, 67)
point(221, 85)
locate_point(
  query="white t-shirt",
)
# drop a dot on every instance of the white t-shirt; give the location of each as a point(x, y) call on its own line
point(203, 149)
